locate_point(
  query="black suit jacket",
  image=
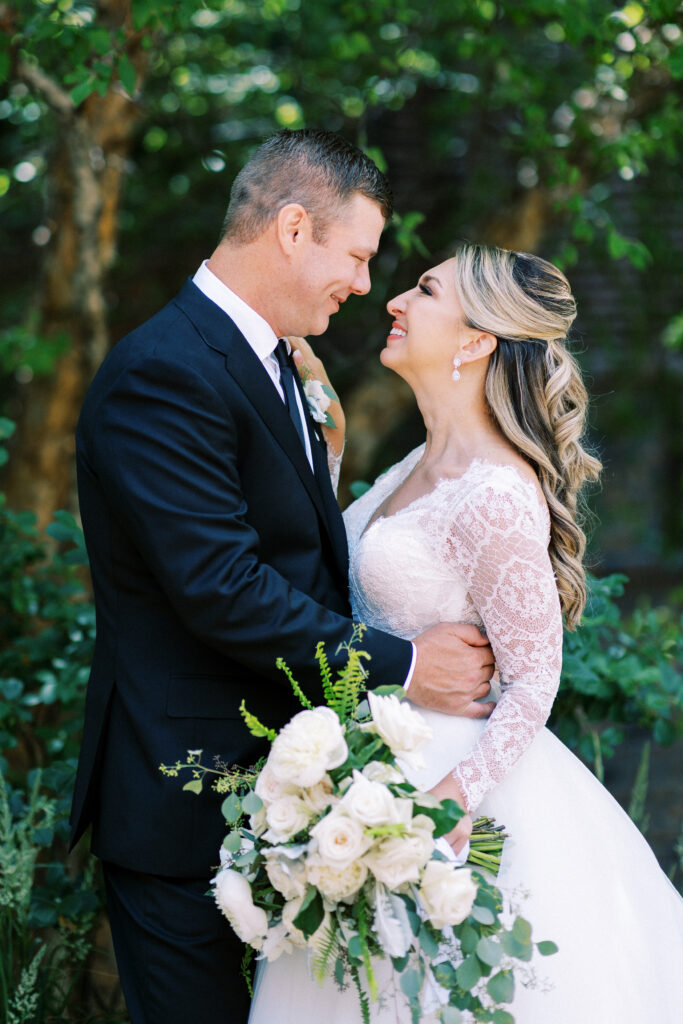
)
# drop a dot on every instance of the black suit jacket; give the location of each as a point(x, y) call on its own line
point(214, 549)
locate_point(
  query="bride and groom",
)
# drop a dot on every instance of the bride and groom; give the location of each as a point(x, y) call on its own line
point(216, 545)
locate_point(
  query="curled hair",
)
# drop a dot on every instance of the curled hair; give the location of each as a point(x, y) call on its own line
point(534, 389)
point(316, 168)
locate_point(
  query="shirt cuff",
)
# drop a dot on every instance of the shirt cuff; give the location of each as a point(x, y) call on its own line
point(412, 667)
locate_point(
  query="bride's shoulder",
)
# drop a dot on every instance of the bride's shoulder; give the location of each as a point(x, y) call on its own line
point(505, 491)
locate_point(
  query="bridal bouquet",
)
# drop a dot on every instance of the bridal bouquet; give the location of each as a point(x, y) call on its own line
point(333, 850)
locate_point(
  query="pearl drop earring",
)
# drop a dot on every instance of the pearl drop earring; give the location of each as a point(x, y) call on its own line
point(456, 372)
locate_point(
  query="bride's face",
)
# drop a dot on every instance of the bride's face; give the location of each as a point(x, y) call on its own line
point(428, 326)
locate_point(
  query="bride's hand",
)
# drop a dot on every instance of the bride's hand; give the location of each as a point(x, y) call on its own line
point(448, 789)
point(310, 367)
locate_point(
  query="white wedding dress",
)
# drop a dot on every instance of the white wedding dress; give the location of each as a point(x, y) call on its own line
point(475, 550)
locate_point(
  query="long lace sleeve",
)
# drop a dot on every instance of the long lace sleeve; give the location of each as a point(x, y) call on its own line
point(334, 462)
point(498, 541)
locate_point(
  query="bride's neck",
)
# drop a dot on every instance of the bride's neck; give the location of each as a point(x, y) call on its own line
point(459, 426)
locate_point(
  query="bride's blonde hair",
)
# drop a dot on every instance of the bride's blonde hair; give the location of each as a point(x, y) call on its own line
point(534, 389)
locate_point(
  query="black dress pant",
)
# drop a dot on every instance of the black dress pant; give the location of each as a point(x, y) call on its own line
point(178, 959)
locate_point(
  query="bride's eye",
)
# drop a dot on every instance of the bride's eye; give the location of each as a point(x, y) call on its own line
point(424, 289)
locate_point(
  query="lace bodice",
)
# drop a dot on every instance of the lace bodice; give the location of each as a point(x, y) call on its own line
point(474, 549)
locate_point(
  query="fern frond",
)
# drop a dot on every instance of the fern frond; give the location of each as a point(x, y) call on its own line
point(362, 996)
point(325, 672)
point(348, 685)
point(298, 692)
point(328, 948)
point(255, 727)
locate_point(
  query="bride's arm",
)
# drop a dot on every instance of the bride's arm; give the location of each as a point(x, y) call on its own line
point(499, 543)
point(312, 369)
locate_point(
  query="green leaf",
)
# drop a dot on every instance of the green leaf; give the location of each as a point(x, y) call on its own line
point(521, 930)
point(468, 973)
point(546, 948)
point(482, 914)
point(193, 786)
point(445, 817)
point(429, 944)
point(450, 1015)
point(82, 91)
point(489, 952)
point(410, 983)
point(251, 803)
point(126, 74)
point(231, 808)
point(445, 974)
point(339, 972)
point(502, 1017)
point(233, 841)
point(468, 937)
point(312, 912)
point(501, 987)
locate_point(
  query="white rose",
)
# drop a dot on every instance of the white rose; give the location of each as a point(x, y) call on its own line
point(286, 816)
point(258, 822)
point(232, 893)
point(403, 729)
point(320, 796)
point(370, 803)
point(318, 401)
point(378, 771)
point(307, 747)
point(287, 876)
point(447, 893)
point(269, 788)
point(337, 884)
point(398, 860)
point(341, 839)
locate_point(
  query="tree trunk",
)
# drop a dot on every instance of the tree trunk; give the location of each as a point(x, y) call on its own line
point(84, 188)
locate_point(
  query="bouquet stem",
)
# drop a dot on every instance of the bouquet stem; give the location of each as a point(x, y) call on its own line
point(486, 845)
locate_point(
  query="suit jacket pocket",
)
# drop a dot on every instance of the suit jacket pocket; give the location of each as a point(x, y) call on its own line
point(200, 696)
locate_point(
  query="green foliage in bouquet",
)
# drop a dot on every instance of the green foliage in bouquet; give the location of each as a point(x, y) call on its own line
point(332, 848)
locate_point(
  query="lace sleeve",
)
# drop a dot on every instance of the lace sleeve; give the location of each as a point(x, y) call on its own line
point(499, 544)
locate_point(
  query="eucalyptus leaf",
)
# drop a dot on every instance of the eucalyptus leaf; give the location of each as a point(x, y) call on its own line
point(546, 948)
point(193, 786)
point(231, 808)
point(410, 983)
point(489, 951)
point(251, 803)
point(468, 973)
point(501, 987)
point(450, 1015)
point(233, 841)
point(482, 914)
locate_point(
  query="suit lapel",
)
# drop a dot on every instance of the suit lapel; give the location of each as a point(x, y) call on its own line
point(220, 333)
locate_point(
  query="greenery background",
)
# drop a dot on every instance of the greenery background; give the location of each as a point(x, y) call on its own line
point(545, 125)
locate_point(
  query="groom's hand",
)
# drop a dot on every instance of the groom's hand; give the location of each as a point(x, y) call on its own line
point(453, 669)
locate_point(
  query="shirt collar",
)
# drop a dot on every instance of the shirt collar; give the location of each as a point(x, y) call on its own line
point(256, 330)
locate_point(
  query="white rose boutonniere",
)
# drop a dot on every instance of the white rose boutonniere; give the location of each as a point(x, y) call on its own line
point(319, 397)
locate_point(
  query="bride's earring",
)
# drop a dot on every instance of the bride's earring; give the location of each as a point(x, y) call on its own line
point(456, 372)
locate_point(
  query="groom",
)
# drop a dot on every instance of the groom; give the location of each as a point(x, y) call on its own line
point(216, 545)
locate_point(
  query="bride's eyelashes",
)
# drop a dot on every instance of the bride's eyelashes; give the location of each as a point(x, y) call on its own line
point(425, 290)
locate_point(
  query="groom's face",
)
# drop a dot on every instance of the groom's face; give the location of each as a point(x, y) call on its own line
point(332, 270)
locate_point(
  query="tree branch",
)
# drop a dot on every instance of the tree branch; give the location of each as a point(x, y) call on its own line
point(52, 93)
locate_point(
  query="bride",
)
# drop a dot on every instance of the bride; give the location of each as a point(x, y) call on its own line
point(479, 525)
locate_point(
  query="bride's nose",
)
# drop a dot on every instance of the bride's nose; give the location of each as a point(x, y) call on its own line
point(396, 305)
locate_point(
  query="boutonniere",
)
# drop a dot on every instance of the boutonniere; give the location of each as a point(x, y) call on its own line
point(319, 397)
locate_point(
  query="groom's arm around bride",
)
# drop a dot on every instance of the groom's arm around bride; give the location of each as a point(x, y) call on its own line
point(216, 545)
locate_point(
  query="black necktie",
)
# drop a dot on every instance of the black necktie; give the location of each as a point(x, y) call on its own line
point(289, 387)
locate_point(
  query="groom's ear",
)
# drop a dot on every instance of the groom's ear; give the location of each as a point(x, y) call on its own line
point(480, 345)
point(292, 228)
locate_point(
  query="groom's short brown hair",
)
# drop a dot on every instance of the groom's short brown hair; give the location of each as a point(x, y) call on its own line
point(316, 168)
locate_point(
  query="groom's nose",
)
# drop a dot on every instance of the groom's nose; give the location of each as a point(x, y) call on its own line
point(361, 281)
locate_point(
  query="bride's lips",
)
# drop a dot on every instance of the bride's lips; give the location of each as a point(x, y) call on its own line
point(397, 331)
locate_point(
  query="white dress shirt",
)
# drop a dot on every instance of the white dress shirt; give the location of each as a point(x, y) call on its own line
point(260, 336)
point(262, 339)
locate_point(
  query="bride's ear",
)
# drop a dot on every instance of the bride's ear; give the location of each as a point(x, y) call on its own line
point(479, 346)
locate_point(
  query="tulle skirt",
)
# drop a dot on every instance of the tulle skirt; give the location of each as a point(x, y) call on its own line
point(575, 867)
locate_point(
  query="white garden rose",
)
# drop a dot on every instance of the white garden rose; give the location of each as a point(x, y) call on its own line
point(269, 788)
point(232, 893)
point(447, 893)
point(403, 729)
point(341, 839)
point(258, 822)
point(320, 796)
point(287, 876)
point(286, 816)
point(337, 884)
point(308, 747)
point(378, 771)
point(370, 803)
point(397, 860)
